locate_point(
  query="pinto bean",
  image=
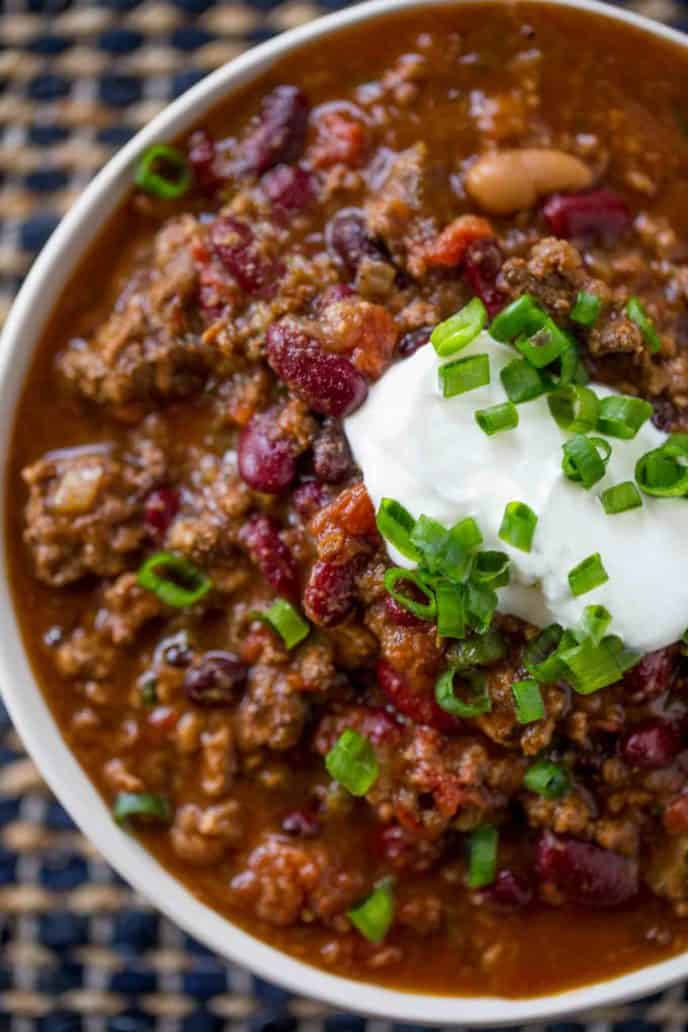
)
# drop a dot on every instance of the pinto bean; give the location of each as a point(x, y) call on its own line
point(511, 180)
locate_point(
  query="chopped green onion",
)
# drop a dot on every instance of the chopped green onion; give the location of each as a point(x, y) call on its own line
point(481, 603)
point(621, 498)
point(396, 524)
point(528, 701)
point(483, 843)
point(547, 779)
point(663, 472)
point(521, 316)
point(582, 462)
point(464, 374)
point(518, 526)
point(594, 624)
point(460, 329)
point(521, 381)
point(148, 687)
point(589, 667)
point(451, 610)
point(374, 915)
point(352, 762)
point(175, 580)
point(637, 314)
point(545, 346)
point(622, 416)
point(144, 806)
point(588, 574)
point(429, 538)
point(586, 309)
point(287, 621)
point(163, 172)
point(497, 418)
point(477, 703)
point(574, 408)
point(458, 555)
point(424, 610)
point(481, 650)
point(491, 567)
point(542, 646)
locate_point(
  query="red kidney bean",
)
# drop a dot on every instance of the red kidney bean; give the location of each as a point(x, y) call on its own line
point(289, 187)
point(422, 709)
point(159, 509)
point(300, 824)
point(235, 245)
point(481, 264)
point(329, 383)
point(401, 616)
point(601, 214)
point(652, 676)
point(279, 134)
point(332, 459)
point(309, 498)
point(202, 155)
point(329, 594)
point(218, 679)
point(261, 537)
point(651, 745)
point(347, 239)
point(585, 873)
point(265, 458)
point(413, 340)
point(509, 890)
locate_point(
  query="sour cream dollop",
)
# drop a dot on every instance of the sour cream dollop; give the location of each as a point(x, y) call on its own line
point(428, 453)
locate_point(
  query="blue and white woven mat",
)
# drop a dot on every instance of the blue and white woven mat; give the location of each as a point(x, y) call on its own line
point(78, 949)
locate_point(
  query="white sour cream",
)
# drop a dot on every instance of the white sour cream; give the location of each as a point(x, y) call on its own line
point(428, 453)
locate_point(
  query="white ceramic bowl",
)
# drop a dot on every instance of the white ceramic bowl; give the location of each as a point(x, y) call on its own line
point(24, 700)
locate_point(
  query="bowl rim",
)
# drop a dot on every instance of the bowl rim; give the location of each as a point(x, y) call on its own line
point(23, 698)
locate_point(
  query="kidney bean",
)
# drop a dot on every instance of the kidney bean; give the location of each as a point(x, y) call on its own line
point(159, 509)
point(202, 155)
point(300, 824)
point(279, 134)
point(235, 245)
point(329, 594)
point(329, 383)
point(421, 708)
point(585, 873)
point(481, 264)
point(651, 745)
point(509, 890)
point(652, 676)
point(289, 187)
point(601, 214)
point(413, 340)
point(309, 498)
point(265, 458)
point(332, 459)
point(347, 239)
point(218, 679)
point(261, 537)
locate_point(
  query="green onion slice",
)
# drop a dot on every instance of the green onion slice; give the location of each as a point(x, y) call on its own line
point(594, 624)
point(480, 650)
point(521, 381)
point(144, 806)
point(587, 575)
point(637, 314)
point(586, 309)
point(545, 346)
point(663, 472)
point(397, 575)
point(497, 418)
point(451, 609)
point(574, 409)
point(396, 524)
point(491, 567)
point(582, 461)
point(483, 844)
point(458, 556)
point(518, 526)
point(175, 580)
point(527, 701)
point(374, 915)
point(352, 762)
point(464, 374)
point(547, 779)
point(163, 172)
point(621, 498)
point(429, 538)
point(523, 316)
point(622, 416)
point(541, 657)
point(460, 329)
point(477, 703)
point(481, 603)
point(287, 621)
point(589, 667)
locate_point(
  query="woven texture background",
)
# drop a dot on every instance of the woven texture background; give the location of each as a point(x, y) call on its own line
point(78, 949)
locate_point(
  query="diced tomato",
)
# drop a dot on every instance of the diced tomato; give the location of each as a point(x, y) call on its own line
point(340, 140)
point(450, 246)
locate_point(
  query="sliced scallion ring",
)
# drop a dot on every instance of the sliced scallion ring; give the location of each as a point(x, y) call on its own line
point(464, 374)
point(621, 498)
point(352, 762)
point(398, 575)
point(460, 329)
point(480, 650)
point(594, 624)
point(522, 316)
point(396, 524)
point(374, 915)
point(637, 314)
point(164, 172)
point(547, 779)
point(287, 621)
point(663, 472)
point(518, 526)
point(483, 845)
point(143, 806)
point(622, 415)
point(521, 381)
point(586, 309)
point(175, 580)
point(574, 409)
point(478, 701)
point(451, 609)
point(497, 418)
point(582, 461)
point(587, 575)
point(528, 702)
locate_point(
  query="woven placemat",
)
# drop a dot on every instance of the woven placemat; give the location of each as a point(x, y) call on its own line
point(78, 949)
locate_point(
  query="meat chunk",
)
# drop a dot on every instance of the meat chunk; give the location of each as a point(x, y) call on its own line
point(201, 836)
point(553, 273)
point(396, 211)
point(148, 348)
point(271, 714)
point(85, 509)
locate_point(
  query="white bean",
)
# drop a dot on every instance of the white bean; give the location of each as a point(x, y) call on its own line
point(512, 180)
